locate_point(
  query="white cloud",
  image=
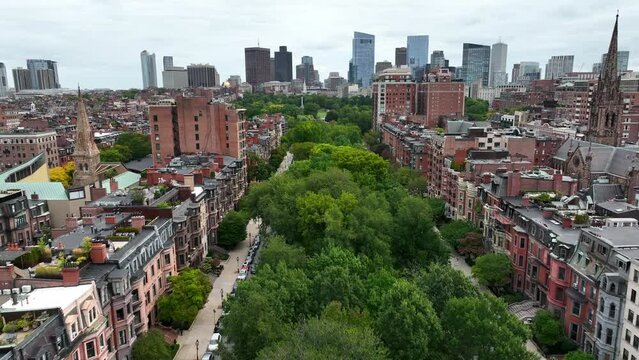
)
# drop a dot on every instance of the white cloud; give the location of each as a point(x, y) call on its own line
point(97, 42)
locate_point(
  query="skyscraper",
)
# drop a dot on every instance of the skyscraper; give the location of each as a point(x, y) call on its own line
point(305, 71)
point(417, 55)
point(558, 66)
point(167, 61)
point(437, 59)
point(257, 62)
point(382, 65)
point(514, 77)
point(498, 75)
point(149, 73)
point(622, 60)
point(525, 72)
point(21, 79)
point(283, 65)
point(362, 65)
point(175, 77)
point(4, 83)
point(400, 56)
point(475, 63)
point(34, 65)
point(202, 75)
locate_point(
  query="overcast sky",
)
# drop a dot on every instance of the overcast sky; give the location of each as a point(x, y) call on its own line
point(97, 43)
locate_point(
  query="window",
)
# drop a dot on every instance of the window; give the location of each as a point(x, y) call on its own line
point(76, 355)
point(122, 337)
point(167, 259)
point(197, 127)
point(102, 341)
point(197, 137)
point(613, 311)
point(635, 276)
point(157, 146)
point(602, 304)
point(90, 346)
point(521, 260)
point(598, 331)
point(576, 308)
point(155, 118)
point(522, 243)
point(562, 273)
point(628, 336)
point(197, 146)
point(624, 356)
point(156, 128)
point(559, 293)
point(195, 118)
point(608, 336)
point(574, 331)
point(635, 342)
point(119, 314)
point(633, 295)
point(631, 315)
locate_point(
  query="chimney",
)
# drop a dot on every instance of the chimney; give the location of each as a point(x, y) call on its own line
point(97, 193)
point(548, 213)
point(514, 183)
point(486, 178)
point(566, 223)
point(71, 223)
point(557, 179)
point(110, 220)
point(525, 202)
point(6, 276)
point(70, 276)
point(35, 196)
point(113, 185)
point(98, 254)
point(88, 220)
point(138, 221)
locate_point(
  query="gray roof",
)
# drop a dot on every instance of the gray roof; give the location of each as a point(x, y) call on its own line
point(617, 207)
point(602, 193)
point(140, 165)
point(605, 159)
point(617, 236)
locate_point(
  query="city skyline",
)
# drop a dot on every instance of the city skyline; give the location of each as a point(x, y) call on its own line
point(114, 26)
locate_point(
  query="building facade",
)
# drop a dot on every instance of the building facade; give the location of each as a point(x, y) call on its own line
point(498, 57)
point(21, 79)
point(417, 54)
point(202, 75)
point(362, 66)
point(475, 63)
point(149, 72)
point(558, 66)
point(44, 74)
point(257, 62)
point(400, 56)
point(283, 65)
point(4, 81)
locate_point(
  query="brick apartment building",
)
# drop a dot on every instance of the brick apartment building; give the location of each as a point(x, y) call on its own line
point(18, 147)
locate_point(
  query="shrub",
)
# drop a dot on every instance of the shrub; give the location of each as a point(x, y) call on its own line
point(11, 327)
point(77, 252)
point(48, 272)
point(127, 229)
point(581, 219)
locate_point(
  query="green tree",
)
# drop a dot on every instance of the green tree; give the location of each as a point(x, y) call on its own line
point(151, 345)
point(189, 291)
point(493, 270)
point(456, 230)
point(471, 245)
point(331, 115)
point(111, 155)
point(476, 109)
point(276, 250)
point(319, 339)
point(302, 151)
point(137, 143)
point(232, 229)
point(437, 210)
point(578, 355)
point(311, 109)
point(441, 283)
point(483, 327)
point(546, 328)
point(258, 168)
point(408, 324)
point(412, 180)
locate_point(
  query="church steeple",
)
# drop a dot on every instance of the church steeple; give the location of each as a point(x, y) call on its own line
point(86, 154)
point(605, 124)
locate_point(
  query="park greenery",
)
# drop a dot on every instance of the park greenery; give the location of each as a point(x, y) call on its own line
point(232, 229)
point(494, 271)
point(129, 146)
point(354, 267)
point(189, 291)
point(152, 345)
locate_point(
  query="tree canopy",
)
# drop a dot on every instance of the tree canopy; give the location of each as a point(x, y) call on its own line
point(232, 229)
point(151, 345)
point(493, 270)
point(189, 291)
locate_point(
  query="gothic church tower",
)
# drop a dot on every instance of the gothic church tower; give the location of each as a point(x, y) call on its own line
point(86, 154)
point(605, 124)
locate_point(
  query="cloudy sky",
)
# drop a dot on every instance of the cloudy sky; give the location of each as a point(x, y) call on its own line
point(97, 43)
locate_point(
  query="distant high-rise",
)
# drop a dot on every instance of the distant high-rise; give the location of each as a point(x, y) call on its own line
point(498, 75)
point(400, 56)
point(525, 72)
point(4, 83)
point(334, 81)
point(283, 65)
point(437, 59)
point(202, 75)
point(622, 60)
point(34, 65)
point(305, 71)
point(514, 77)
point(167, 61)
point(149, 73)
point(175, 77)
point(558, 66)
point(362, 65)
point(417, 55)
point(21, 79)
point(475, 63)
point(382, 65)
point(596, 67)
point(257, 63)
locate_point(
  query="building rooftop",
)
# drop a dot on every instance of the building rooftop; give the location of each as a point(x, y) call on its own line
point(617, 236)
point(48, 298)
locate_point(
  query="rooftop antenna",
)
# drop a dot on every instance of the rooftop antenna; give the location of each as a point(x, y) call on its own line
point(258, 42)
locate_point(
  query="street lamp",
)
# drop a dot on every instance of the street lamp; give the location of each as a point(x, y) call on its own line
point(222, 294)
point(197, 349)
point(238, 263)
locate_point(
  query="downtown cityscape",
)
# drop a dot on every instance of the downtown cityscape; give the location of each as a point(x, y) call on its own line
point(352, 192)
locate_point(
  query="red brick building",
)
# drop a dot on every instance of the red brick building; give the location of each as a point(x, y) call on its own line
point(439, 97)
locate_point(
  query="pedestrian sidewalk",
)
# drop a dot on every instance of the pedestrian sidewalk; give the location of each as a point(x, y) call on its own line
point(202, 327)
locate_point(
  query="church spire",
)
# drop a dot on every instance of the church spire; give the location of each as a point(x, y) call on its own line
point(85, 154)
point(610, 66)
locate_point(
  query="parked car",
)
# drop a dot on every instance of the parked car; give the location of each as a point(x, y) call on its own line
point(242, 276)
point(214, 343)
point(207, 356)
point(253, 270)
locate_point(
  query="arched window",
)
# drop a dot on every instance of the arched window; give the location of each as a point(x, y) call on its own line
point(613, 311)
point(613, 288)
point(613, 119)
point(602, 304)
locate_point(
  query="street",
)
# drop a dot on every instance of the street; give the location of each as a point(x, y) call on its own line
point(202, 328)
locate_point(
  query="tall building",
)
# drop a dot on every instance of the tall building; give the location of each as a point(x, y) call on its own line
point(558, 66)
point(400, 56)
point(596, 67)
point(362, 65)
point(334, 81)
point(382, 65)
point(175, 77)
point(21, 79)
point(196, 125)
point(4, 82)
point(605, 125)
point(49, 79)
point(475, 63)
point(498, 75)
point(525, 72)
point(167, 61)
point(305, 71)
point(514, 77)
point(149, 73)
point(257, 63)
point(437, 59)
point(283, 65)
point(417, 54)
point(85, 153)
point(202, 75)
point(622, 60)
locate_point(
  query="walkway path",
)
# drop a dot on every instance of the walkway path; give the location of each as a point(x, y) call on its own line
point(459, 263)
point(202, 328)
